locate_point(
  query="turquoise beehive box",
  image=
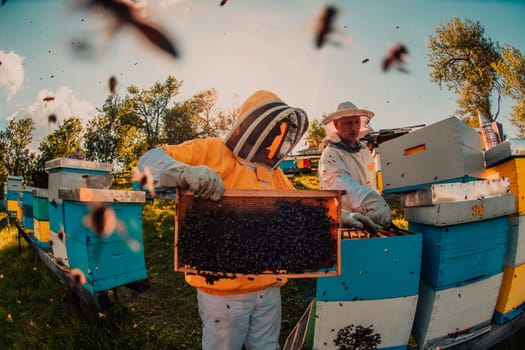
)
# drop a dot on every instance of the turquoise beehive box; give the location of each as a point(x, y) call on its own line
point(68, 173)
point(111, 261)
point(27, 208)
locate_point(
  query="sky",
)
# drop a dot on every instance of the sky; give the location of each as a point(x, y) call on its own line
point(238, 48)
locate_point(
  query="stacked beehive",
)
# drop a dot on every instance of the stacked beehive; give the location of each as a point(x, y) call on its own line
point(464, 222)
point(41, 218)
point(107, 259)
point(66, 173)
point(379, 277)
point(14, 190)
point(508, 160)
point(26, 208)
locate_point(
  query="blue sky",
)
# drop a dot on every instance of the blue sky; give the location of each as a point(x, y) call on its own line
point(238, 48)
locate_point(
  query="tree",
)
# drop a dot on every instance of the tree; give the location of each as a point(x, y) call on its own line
point(178, 125)
point(316, 134)
point(15, 156)
point(62, 142)
point(102, 137)
point(462, 59)
point(203, 107)
point(512, 69)
point(146, 109)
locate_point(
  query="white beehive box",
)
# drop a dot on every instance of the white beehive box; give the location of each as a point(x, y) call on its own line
point(450, 316)
point(505, 150)
point(440, 152)
point(456, 191)
point(71, 173)
point(460, 212)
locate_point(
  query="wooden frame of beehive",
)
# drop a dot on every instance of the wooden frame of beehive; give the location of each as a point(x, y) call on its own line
point(258, 202)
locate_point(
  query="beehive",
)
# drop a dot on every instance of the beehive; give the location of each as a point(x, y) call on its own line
point(511, 299)
point(448, 317)
point(419, 158)
point(14, 192)
point(41, 218)
point(273, 224)
point(107, 262)
point(68, 173)
point(459, 254)
point(27, 209)
point(514, 169)
point(379, 276)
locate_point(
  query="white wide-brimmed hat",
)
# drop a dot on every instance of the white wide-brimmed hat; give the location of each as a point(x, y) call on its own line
point(348, 109)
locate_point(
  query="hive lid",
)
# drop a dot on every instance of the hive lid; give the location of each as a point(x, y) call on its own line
point(76, 164)
point(101, 195)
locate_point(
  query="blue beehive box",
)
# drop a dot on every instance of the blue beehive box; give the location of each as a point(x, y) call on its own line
point(460, 254)
point(379, 276)
point(27, 208)
point(14, 189)
point(111, 261)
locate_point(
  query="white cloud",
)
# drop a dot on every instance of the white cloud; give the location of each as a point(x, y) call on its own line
point(11, 72)
point(64, 105)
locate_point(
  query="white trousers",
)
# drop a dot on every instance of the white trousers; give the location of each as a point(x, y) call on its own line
point(252, 319)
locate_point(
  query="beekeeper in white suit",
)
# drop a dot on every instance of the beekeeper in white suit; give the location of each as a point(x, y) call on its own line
point(347, 164)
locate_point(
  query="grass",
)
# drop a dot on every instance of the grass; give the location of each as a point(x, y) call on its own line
point(37, 310)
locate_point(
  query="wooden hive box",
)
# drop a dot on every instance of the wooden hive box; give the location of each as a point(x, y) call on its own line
point(379, 276)
point(27, 208)
point(41, 218)
point(447, 317)
point(259, 232)
point(460, 254)
point(514, 169)
point(106, 261)
point(419, 158)
point(511, 299)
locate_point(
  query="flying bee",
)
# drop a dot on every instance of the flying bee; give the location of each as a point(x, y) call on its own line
point(396, 57)
point(127, 13)
point(76, 277)
point(52, 118)
point(325, 27)
point(48, 98)
point(102, 221)
point(145, 179)
point(113, 84)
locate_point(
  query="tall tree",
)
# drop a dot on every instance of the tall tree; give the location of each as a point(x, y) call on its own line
point(178, 124)
point(63, 141)
point(146, 109)
point(512, 69)
point(15, 156)
point(462, 59)
point(315, 134)
point(203, 107)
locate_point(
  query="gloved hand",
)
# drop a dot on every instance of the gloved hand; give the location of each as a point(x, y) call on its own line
point(377, 209)
point(203, 181)
point(355, 220)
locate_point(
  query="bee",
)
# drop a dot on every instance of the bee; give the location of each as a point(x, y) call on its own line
point(48, 98)
point(325, 25)
point(145, 179)
point(396, 57)
point(112, 84)
point(126, 13)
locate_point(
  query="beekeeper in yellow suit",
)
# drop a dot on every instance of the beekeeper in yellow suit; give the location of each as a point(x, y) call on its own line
point(347, 164)
point(241, 310)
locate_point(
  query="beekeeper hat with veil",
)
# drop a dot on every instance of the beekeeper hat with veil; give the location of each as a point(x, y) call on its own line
point(268, 126)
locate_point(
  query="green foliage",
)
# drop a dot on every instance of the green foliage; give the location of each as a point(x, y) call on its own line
point(461, 58)
point(146, 109)
point(315, 134)
point(15, 156)
point(512, 70)
point(63, 141)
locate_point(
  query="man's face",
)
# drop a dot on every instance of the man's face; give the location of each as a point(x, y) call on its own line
point(348, 129)
point(266, 152)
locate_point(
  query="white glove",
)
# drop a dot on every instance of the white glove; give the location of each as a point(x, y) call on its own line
point(377, 209)
point(203, 181)
point(355, 220)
